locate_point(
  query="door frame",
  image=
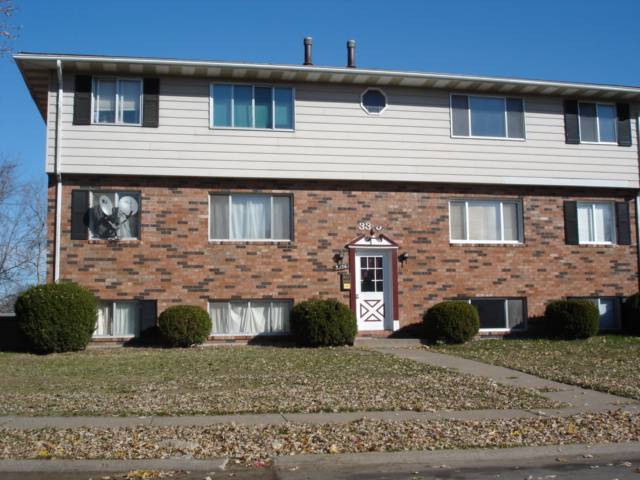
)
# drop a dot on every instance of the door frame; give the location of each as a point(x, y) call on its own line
point(381, 242)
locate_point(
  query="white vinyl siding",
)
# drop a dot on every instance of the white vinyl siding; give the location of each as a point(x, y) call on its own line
point(250, 317)
point(118, 319)
point(596, 223)
point(333, 140)
point(485, 221)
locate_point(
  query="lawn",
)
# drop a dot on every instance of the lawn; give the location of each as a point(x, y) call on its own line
point(609, 363)
point(224, 380)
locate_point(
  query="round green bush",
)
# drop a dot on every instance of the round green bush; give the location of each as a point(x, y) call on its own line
point(572, 319)
point(323, 323)
point(57, 317)
point(451, 322)
point(184, 325)
point(631, 315)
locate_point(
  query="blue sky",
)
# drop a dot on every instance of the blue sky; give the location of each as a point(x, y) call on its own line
point(588, 40)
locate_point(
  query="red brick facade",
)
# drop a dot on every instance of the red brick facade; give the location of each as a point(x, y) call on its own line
point(173, 262)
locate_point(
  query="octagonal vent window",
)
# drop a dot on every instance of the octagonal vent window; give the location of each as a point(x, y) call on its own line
point(374, 101)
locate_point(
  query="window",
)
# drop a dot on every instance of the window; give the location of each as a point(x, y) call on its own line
point(249, 106)
point(118, 319)
point(598, 123)
point(117, 101)
point(250, 217)
point(596, 223)
point(371, 274)
point(252, 317)
point(609, 308)
point(484, 116)
point(500, 313)
point(374, 101)
point(490, 221)
point(114, 215)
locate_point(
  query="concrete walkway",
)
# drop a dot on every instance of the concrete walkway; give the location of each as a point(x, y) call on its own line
point(580, 400)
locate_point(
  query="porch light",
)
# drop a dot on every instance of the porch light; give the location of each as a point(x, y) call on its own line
point(403, 257)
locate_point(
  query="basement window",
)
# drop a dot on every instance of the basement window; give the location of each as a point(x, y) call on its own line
point(250, 317)
point(118, 319)
point(500, 314)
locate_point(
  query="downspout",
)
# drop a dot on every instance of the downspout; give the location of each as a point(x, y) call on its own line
point(58, 174)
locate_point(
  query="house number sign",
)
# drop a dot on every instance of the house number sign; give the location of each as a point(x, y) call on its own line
point(369, 227)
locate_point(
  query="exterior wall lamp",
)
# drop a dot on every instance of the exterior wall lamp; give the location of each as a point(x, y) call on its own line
point(403, 257)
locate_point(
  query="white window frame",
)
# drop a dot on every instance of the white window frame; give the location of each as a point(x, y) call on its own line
point(597, 142)
point(592, 225)
point(506, 120)
point(248, 302)
point(253, 107)
point(506, 313)
point(236, 240)
point(466, 201)
point(118, 117)
point(112, 308)
point(117, 194)
point(363, 106)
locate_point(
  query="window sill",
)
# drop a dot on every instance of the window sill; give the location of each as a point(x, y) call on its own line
point(487, 244)
point(474, 137)
point(598, 245)
point(250, 242)
point(582, 142)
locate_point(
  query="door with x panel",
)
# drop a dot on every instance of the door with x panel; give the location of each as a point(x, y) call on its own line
point(372, 289)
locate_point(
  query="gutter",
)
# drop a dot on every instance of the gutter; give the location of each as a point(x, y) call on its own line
point(58, 174)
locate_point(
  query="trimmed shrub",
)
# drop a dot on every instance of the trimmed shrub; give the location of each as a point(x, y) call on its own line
point(572, 319)
point(451, 322)
point(57, 317)
point(184, 325)
point(323, 323)
point(631, 315)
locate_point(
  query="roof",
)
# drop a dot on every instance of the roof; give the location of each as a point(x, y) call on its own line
point(36, 67)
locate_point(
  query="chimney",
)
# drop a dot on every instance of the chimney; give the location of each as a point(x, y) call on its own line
point(308, 41)
point(351, 54)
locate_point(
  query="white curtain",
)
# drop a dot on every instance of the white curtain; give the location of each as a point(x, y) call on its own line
point(281, 218)
point(220, 217)
point(484, 221)
point(259, 322)
point(238, 317)
point(585, 219)
point(126, 319)
point(457, 221)
point(250, 217)
point(280, 316)
point(219, 312)
point(603, 222)
point(106, 104)
point(510, 219)
point(103, 320)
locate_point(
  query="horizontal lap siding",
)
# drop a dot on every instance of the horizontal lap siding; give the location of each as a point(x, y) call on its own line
point(334, 138)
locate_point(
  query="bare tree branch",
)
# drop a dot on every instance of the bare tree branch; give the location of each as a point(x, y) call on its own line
point(8, 31)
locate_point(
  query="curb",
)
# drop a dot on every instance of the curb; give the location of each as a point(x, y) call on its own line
point(110, 466)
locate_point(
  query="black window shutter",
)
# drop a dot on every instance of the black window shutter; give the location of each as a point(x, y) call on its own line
point(148, 313)
point(150, 102)
point(79, 210)
point(571, 223)
point(624, 125)
point(82, 100)
point(571, 128)
point(623, 223)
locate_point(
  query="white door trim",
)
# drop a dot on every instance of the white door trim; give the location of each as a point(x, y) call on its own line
point(386, 295)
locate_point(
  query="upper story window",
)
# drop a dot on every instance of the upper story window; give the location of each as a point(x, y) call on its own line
point(487, 117)
point(374, 101)
point(117, 101)
point(596, 222)
point(114, 215)
point(251, 106)
point(485, 221)
point(250, 217)
point(598, 122)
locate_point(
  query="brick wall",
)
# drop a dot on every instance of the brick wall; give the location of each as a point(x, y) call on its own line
point(175, 263)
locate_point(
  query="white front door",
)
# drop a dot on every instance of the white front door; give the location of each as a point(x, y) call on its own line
point(373, 289)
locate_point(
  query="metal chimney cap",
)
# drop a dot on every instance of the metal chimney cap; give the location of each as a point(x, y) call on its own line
point(308, 40)
point(351, 43)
